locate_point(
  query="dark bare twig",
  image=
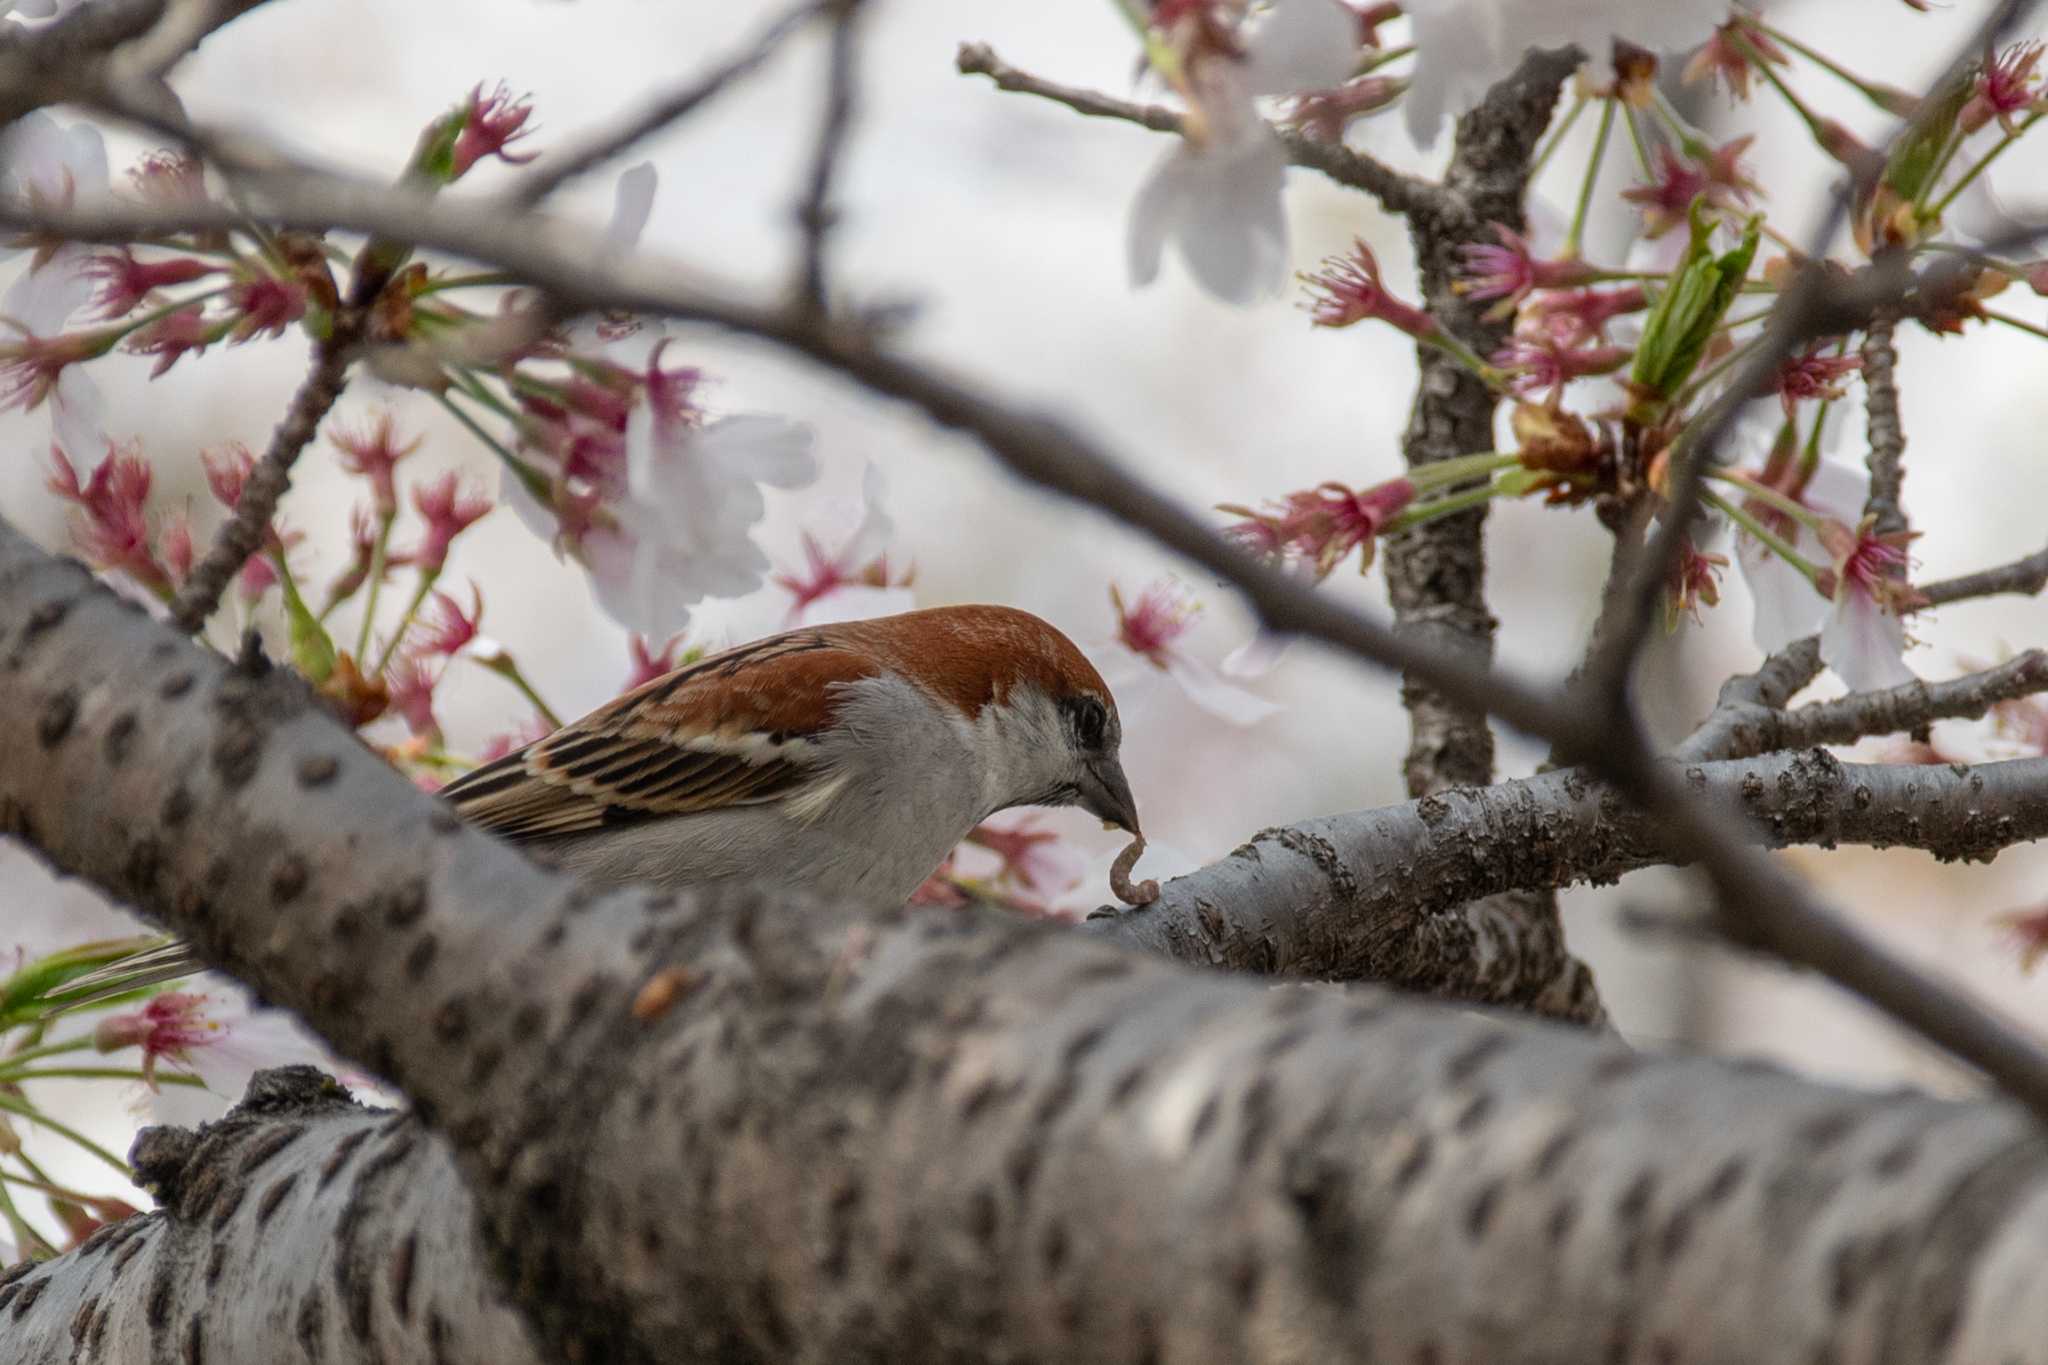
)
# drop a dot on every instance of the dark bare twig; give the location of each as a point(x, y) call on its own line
point(815, 215)
point(580, 158)
point(2023, 577)
point(1396, 192)
point(1763, 901)
point(1887, 433)
point(126, 42)
point(1757, 729)
point(242, 535)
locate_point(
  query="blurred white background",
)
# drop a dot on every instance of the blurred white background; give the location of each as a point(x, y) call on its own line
point(1000, 220)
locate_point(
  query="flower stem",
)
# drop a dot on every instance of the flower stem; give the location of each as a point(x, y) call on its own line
point(508, 669)
point(1578, 227)
point(529, 478)
point(97, 1073)
point(1771, 497)
point(1764, 69)
point(2020, 324)
point(23, 1109)
point(412, 609)
point(30, 1054)
point(1963, 182)
point(1440, 473)
point(1767, 537)
point(1417, 513)
point(1557, 137)
point(379, 548)
point(1868, 89)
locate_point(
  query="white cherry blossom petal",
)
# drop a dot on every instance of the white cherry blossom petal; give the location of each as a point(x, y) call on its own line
point(1207, 689)
point(1863, 643)
point(1301, 45)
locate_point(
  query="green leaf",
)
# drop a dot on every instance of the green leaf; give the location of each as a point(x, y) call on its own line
point(312, 650)
point(1919, 157)
point(1682, 321)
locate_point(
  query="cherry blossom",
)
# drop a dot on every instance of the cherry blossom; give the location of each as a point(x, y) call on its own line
point(1860, 620)
point(1149, 630)
point(170, 1027)
point(1215, 194)
point(1462, 47)
point(854, 581)
point(44, 161)
point(681, 531)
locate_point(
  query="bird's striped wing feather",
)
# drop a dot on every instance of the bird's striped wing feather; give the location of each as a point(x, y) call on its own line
point(730, 730)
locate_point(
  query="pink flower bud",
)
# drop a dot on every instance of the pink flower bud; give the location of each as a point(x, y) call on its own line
point(490, 124)
point(448, 511)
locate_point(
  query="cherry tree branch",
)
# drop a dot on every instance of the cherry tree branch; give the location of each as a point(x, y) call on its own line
point(1374, 895)
point(1396, 191)
point(1436, 573)
point(1739, 720)
point(119, 42)
point(1758, 729)
point(1887, 433)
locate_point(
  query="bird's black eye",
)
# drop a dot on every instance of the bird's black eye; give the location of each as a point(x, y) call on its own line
point(1089, 719)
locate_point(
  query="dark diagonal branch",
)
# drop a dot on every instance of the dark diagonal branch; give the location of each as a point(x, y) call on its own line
point(1396, 192)
point(670, 106)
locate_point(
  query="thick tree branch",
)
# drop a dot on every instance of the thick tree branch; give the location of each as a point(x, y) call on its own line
point(300, 1227)
point(1369, 895)
point(1512, 945)
point(1395, 191)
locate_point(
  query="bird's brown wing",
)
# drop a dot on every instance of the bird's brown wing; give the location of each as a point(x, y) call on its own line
point(733, 729)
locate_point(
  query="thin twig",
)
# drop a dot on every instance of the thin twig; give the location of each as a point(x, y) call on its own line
point(580, 158)
point(1887, 433)
point(1762, 729)
point(242, 535)
point(1781, 676)
point(1396, 192)
point(815, 215)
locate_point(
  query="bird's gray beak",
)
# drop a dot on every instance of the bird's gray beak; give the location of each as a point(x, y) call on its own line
point(1105, 792)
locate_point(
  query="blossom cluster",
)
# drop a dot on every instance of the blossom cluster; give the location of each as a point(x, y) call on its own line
point(1610, 368)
